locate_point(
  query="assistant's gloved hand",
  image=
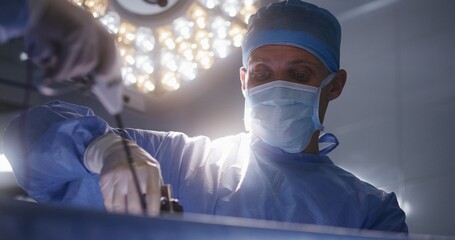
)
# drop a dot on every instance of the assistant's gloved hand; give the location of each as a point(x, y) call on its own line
point(106, 156)
point(65, 41)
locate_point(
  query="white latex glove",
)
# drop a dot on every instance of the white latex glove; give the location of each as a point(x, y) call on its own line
point(66, 41)
point(106, 155)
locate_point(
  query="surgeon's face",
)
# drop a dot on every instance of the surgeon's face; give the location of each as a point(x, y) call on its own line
point(280, 62)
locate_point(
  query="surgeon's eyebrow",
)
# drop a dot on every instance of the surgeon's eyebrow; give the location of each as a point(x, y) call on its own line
point(303, 61)
point(293, 61)
point(314, 64)
point(259, 59)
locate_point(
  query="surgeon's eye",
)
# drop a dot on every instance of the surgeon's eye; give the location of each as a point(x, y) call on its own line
point(300, 76)
point(260, 76)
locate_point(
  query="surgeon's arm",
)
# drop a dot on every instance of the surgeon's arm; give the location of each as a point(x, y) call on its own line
point(45, 146)
point(49, 146)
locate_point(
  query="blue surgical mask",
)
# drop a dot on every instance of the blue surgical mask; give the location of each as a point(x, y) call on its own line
point(284, 114)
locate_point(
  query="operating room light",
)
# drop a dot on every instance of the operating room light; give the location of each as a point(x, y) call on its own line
point(169, 60)
point(112, 21)
point(161, 58)
point(183, 28)
point(145, 41)
point(4, 164)
point(231, 7)
point(210, 4)
point(144, 63)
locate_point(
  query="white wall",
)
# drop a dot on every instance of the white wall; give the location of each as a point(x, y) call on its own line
point(395, 119)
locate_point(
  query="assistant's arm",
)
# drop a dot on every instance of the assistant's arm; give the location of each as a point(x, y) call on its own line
point(62, 39)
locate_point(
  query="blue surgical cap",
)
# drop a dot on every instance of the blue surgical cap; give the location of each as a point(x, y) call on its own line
point(295, 23)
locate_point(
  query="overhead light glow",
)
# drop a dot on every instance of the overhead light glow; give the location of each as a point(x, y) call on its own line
point(231, 7)
point(247, 10)
point(160, 58)
point(130, 78)
point(236, 33)
point(145, 41)
point(144, 63)
point(149, 86)
point(126, 33)
point(205, 59)
point(129, 58)
point(220, 27)
point(183, 28)
point(221, 47)
point(111, 21)
point(169, 61)
point(187, 70)
point(202, 38)
point(170, 81)
point(184, 49)
point(145, 83)
point(210, 4)
point(199, 15)
point(96, 7)
point(4, 164)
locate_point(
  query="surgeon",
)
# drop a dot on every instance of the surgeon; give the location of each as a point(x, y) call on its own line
point(64, 153)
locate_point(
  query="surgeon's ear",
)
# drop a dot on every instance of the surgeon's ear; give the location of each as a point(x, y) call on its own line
point(243, 73)
point(337, 84)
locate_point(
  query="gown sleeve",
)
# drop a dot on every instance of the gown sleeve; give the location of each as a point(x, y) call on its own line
point(45, 147)
point(388, 216)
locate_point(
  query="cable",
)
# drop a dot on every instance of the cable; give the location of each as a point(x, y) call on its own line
point(129, 158)
point(23, 122)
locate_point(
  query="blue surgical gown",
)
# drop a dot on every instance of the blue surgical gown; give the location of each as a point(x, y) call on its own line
point(235, 176)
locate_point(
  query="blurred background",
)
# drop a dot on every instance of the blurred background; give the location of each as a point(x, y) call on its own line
point(394, 119)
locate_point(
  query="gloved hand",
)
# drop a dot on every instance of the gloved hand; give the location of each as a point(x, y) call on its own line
point(65, 41)
point(106, 156)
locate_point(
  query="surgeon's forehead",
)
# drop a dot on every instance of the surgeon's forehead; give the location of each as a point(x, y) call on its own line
point(289, 54)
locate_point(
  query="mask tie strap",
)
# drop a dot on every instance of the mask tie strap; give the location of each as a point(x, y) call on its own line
point(329, 142)
point(328, 79)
